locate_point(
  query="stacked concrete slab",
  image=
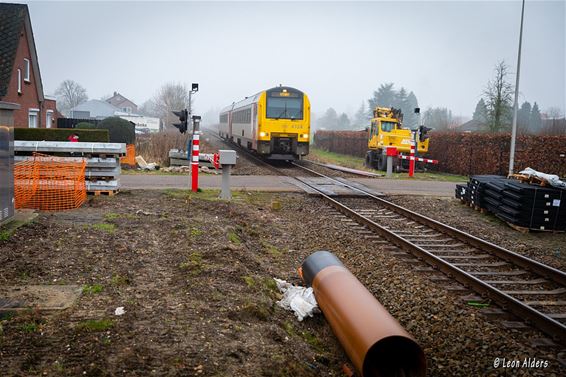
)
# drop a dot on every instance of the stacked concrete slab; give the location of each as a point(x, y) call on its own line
point(102, 159)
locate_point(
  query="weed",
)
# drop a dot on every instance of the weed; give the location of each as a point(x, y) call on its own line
point(29, 327)
point(58, 366)
point(92, 289)
point(118, 280)
point(289, 328)
point(195, 232)
point(250, 282)
point(111, 216)
point(95, 325)
point(260, 311)
point(272, 250)
point(234, 238)
point(105, 340)
point(105, 227)
point(312, 340)
point(270, 285)
point(193, 264)
point(5, 235)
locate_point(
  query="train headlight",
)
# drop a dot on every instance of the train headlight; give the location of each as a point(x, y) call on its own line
point(262, 134)
point(305, 136)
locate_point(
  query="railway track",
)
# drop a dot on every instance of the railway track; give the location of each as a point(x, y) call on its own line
point(532, 291)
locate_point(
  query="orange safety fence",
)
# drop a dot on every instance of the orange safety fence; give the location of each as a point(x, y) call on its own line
point(130, 157)
point(50, 183)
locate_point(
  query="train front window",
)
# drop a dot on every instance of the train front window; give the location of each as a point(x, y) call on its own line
point(387, 126)
point(283, 107)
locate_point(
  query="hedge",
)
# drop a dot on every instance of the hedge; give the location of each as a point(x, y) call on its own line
point(60, 134)
point(468, 153)
point(120, 130)
point(484, 153)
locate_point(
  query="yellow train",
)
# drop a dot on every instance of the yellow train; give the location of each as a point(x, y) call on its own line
point(275, 123)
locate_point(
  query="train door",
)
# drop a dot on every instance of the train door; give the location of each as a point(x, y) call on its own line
point(230, 136)
point(254, 126)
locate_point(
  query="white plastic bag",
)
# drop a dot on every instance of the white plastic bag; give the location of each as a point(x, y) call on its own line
point(300, 300)
point(554, 180)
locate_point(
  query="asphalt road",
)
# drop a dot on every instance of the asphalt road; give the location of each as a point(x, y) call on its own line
point(279, 183)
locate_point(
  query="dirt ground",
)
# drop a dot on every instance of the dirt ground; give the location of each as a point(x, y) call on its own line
point(194, 276)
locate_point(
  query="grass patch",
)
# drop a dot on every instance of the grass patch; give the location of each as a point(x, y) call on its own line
point(95, 325)
point(5, 235)
point(289, 328)
point(320, 155)
point(271, 249)
point(9, 229)
point(260, 311)
point(105, 227)
point(92, 289)
point(118, 280)
point(312, 340)
point(250, 282)
point(195, 232)
point(193, 264)
point(30, 327)
point(111, 216)
point(234, 238)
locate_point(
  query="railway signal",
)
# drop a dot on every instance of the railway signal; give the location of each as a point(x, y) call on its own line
point(423, 131)
point(183, 119)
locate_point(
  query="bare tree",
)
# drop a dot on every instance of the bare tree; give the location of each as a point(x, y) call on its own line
point(498, 99)
point(170, 97)
point(70, 94)
point(553, 113)
point(554, 123)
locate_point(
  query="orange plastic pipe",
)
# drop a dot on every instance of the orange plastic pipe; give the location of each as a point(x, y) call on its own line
point(375, 342)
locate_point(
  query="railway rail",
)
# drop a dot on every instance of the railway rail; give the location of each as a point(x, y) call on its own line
point(532, 291)
point(528, 289)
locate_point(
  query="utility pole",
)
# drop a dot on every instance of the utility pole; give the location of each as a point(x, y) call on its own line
point(516, 103)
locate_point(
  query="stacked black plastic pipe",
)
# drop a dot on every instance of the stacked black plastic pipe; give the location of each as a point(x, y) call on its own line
point(522, 204)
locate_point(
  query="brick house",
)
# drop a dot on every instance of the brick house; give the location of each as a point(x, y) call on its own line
point(122, 103)
point(20, 79)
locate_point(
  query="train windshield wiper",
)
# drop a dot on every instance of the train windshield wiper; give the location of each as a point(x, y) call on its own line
point(283, 112)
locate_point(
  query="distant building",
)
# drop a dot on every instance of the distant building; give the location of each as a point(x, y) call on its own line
point(94, 109)
point(122, 103)
point(20, 78)
point(97, 109)
point(471, 126)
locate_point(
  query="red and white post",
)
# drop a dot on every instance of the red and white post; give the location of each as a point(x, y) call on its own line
point(412, 158)
point(194, 162)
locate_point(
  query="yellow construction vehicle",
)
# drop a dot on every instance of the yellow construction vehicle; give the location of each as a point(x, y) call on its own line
point(387, 130)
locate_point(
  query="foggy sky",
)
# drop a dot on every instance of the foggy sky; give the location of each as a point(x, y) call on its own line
point(338, 53)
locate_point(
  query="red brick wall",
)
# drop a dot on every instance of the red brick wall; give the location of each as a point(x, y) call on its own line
point(50, 104)
point(468, 153)
point(29, 99)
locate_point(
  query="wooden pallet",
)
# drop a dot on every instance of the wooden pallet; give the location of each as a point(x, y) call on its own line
point(526, 230)
point(530, 179)
point(103, 192)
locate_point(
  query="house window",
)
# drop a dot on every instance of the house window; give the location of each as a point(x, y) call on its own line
point(19, 81)
point(33, 118)
point(27, 73)
point(127, 109)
